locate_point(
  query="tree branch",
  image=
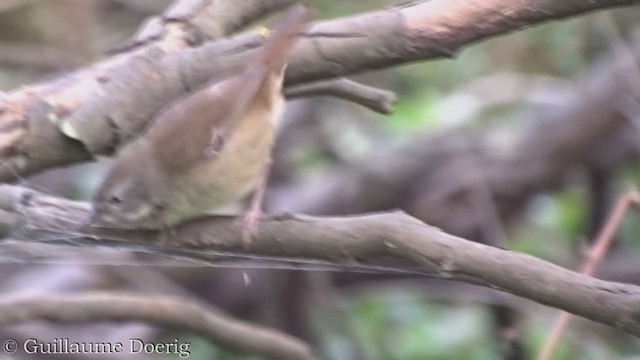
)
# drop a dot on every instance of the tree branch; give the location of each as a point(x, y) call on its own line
point(593, 258)
point(359, 239)
point(427, 179)
point(378, 100)
point(101, 107)
point(170, 312)
point(197, 20)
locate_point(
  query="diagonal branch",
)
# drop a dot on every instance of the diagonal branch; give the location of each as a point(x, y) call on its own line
point(99, 108)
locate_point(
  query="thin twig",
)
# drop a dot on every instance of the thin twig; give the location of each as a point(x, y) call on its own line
point(592, 259)
point(628, 106)
point(378, 100)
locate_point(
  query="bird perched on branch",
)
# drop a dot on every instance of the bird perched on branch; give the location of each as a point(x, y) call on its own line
point(206, 150)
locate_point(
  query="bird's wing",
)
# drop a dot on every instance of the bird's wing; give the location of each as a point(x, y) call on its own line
point(198, 126)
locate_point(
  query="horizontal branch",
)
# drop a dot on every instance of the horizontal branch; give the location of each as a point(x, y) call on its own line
point(180, 313)
point(95, 110)
point(358, 239)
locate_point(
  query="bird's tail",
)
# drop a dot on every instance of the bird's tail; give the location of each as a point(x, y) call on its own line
point(282, 38)
point(263, 74)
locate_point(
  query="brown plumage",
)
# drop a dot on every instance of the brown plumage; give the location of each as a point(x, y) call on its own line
point(207, 149)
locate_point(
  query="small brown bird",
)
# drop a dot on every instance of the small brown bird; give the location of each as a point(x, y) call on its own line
point(206, 150)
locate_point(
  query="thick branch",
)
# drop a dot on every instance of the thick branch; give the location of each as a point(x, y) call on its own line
point(345, 240)
point(165, 311)
point(109, 103)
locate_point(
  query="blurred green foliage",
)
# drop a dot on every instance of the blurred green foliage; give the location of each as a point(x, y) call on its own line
point(411, 328)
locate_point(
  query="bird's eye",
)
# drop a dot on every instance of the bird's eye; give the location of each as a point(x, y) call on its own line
point(114, 199)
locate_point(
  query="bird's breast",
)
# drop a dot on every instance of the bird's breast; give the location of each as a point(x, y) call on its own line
point(230, 174)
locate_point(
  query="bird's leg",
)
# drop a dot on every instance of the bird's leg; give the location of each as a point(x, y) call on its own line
point(251, 219)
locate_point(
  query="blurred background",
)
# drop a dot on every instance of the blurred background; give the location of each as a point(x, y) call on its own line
point(445, 155)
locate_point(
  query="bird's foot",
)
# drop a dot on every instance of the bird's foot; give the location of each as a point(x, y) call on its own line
point(251, 220)
point(250, 226)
